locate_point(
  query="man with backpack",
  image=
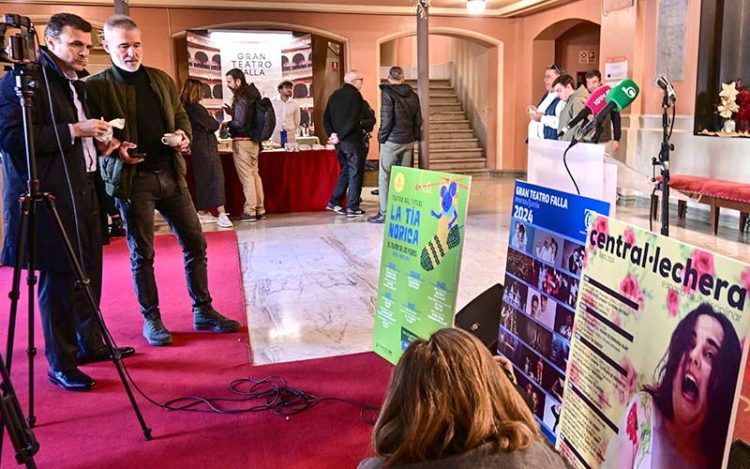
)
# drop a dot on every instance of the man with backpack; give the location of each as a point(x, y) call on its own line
point(253, 121)
point(400, 127)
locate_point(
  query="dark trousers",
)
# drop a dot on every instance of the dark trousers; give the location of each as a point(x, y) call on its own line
point(69, 324)
point(352, 161)
point(159, 190)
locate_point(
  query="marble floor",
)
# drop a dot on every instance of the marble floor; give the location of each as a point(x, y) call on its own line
point(310, 279)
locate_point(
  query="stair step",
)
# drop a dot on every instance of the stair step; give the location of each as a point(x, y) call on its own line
point(463, 144)
point(458, 166)
point(447, 116)
point(455, 155)
point(440, 100)
point(451, 125)
point(450, 134)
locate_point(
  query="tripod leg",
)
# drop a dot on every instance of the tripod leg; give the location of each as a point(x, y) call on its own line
point(26, 228)
point(85, 284)
point(22, 437)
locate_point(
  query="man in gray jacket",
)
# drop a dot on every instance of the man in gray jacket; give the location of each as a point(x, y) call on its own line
point(575, 101)
point(400, 127)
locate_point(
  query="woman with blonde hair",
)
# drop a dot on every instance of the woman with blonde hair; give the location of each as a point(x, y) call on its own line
point(207, 171)
point(450, 405)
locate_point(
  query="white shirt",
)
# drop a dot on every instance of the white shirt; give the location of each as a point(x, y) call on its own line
point(287, 117)
point(89, 150)
point(536, 129)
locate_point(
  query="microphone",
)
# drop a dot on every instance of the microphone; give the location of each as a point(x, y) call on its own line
point(663, 83)
point(596, 102)
point(618, 98)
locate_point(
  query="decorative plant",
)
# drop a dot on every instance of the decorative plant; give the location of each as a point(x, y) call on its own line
point(728, 97)
point(743, 114)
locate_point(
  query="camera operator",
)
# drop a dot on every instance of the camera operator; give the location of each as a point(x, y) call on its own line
point(67, 167)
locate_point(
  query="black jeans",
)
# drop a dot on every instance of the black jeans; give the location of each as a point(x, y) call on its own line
point(159, 190)
point(352, 162)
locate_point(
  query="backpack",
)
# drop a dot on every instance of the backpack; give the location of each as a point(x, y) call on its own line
point(265, 120)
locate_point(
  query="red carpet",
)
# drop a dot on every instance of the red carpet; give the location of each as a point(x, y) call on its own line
point(99, 428)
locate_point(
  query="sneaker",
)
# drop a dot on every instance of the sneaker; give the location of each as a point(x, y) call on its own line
point(354, 213)
point(379, 218)
point(248, 217)
point(207, 318)
point(223, 221)
point(333, 208)
point(154, 330)
point(260, 215)
point(206, 218)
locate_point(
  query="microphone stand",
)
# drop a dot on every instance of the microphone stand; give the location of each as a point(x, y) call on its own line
point(663, 162)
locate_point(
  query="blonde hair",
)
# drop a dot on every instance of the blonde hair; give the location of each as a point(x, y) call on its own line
point(448, 396)
point(192, 92)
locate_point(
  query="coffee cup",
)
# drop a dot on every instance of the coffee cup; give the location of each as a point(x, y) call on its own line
point(171, 139)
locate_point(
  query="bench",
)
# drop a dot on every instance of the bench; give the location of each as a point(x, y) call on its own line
point(715, 193)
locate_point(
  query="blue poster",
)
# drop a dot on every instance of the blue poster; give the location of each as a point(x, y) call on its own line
point(545, 258)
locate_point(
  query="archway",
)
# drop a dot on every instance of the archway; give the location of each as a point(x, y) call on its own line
point(472, 64)
point(328, 56)
point(572, 44)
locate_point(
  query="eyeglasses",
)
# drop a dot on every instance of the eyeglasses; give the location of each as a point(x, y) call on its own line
point(555, 68)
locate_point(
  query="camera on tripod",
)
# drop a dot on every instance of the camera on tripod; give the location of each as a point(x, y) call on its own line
point(20, 46)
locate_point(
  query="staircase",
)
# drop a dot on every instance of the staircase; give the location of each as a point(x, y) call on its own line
point(453, 146)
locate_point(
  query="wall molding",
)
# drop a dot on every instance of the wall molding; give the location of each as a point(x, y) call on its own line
point(518, 8)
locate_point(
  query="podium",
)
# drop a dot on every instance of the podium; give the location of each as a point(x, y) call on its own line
point(595, 174)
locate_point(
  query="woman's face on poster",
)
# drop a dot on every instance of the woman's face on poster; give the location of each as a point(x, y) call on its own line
point(690, 385)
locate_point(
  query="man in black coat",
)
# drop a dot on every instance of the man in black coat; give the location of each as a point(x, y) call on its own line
point(67, 167)
point(400, 127)
point(342, 120)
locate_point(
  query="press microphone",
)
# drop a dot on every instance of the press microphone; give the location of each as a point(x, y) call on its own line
point(596, 102)
point(663, 83)
point(618, 98)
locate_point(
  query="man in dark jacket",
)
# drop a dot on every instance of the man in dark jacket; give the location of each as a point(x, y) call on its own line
point(154, 179)
point(245, 149)
point(400, 127)
point(67, 167)
point(343, 123)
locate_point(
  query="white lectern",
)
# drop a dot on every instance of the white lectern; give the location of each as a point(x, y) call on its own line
point(596, 177)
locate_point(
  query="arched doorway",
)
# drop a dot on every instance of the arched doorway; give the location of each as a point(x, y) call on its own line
point(466, 70)
point(571, 44)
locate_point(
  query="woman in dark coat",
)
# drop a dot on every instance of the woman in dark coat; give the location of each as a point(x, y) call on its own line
point(207, 171)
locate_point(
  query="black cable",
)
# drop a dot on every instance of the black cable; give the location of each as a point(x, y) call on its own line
point(565, 162)
point(272, 391)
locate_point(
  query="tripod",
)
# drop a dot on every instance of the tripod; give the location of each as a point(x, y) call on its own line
point(663, 160)
point(22, 71)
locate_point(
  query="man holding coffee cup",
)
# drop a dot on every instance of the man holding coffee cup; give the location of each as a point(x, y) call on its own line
point(148, 173)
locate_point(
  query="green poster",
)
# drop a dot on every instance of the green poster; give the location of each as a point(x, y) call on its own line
point(424, 234)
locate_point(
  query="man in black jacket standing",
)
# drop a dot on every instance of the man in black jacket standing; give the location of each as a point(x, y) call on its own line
point(67, 167)
point(342, 120)
point(400, 127)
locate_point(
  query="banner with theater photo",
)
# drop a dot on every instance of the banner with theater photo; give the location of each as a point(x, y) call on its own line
point(656, 352)
point(422, 242)
point(545, 257)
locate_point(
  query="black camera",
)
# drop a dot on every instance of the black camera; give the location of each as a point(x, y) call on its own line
point(20, 47)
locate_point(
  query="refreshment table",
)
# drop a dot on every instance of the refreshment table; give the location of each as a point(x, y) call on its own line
point(298, 181)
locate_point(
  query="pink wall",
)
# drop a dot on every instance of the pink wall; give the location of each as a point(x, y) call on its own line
point(405, 50)
point(582, 37)
point(528, 45)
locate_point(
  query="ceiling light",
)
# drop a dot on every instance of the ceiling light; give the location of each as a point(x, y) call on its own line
point(475, 7)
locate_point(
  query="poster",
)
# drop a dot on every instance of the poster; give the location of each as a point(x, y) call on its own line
point(424, 233)
point(545, 258)
point(656, 352)
point(266, 58)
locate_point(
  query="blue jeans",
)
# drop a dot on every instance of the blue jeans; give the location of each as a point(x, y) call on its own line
point(352, 162)
point(159, 190)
